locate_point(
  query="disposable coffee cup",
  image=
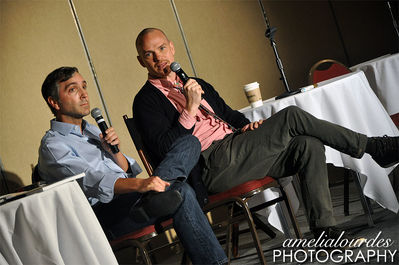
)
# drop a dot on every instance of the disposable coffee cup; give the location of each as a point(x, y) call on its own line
point(252, 92)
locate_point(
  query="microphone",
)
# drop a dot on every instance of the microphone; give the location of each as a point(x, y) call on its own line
point(175, 67)
point(96, 114)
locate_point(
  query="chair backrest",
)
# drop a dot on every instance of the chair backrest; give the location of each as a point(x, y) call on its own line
point(138, 143)
point(326, 69)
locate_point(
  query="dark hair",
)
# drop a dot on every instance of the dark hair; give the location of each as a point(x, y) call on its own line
point(139, 39)
point(50, 87)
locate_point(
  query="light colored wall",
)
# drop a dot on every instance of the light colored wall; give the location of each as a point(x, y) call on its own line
point(226, 39)
point(36, 37)
point(229, 49)
point(110, 29)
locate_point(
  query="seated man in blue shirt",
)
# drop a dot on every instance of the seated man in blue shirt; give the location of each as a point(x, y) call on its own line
point(121, 202)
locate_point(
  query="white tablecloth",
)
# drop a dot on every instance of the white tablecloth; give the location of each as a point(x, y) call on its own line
point(56, 226)
point(383, 76)
point(348, 101)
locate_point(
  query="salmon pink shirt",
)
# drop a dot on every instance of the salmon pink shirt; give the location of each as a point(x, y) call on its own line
point(207, 129)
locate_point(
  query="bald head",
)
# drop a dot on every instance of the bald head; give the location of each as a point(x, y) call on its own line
point(155, 52)
point(139, 39)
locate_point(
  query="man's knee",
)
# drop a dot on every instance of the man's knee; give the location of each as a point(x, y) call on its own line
point(309, 144)
point(186, 191)
point(290, 110)
point(189, 141)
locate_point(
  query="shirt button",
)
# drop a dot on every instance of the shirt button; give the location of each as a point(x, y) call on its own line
point(197, 118)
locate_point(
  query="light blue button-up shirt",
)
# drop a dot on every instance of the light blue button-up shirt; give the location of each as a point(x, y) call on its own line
point(65, 151)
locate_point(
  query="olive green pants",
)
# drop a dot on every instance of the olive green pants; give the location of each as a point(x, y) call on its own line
point(291, 141)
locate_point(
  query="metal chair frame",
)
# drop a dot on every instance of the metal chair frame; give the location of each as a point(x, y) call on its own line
point(140, 240)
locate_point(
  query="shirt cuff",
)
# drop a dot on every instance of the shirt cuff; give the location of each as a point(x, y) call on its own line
point(186, 120)
point(104, 191)
point(134, 167)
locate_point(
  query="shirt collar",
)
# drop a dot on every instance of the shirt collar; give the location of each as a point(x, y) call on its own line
point(164, 83)
point(67, 128)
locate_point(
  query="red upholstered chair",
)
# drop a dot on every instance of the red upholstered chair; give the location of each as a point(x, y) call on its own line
point(326, 69)
point(321, 71)
point(238, 195)
point(395, 119)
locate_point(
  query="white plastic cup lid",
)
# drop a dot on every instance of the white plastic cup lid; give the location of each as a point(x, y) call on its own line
point(251, 86)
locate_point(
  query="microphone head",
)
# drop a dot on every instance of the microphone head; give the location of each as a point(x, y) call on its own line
point(95, 113)
point(175, 66)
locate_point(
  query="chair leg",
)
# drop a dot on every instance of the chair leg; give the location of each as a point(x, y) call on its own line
point(252, 228)
point(235, 236)
point(283, 220)
point(346, 193)
point(291, 213)
point(229, 233)
point(143, 251)
point(363, 200)
point(369, 205)
point(235, 232)
point(260, 224)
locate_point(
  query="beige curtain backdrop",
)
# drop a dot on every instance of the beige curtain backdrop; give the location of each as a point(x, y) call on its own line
point(225, 37)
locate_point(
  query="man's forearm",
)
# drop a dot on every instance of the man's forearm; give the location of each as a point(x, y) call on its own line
point(126, 185)
point(121, 161)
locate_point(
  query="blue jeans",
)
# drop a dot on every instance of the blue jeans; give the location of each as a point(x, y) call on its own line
point(189, 221)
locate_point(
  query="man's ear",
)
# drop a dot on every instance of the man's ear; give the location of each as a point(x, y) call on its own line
point(140, 61)
point(53, 103)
